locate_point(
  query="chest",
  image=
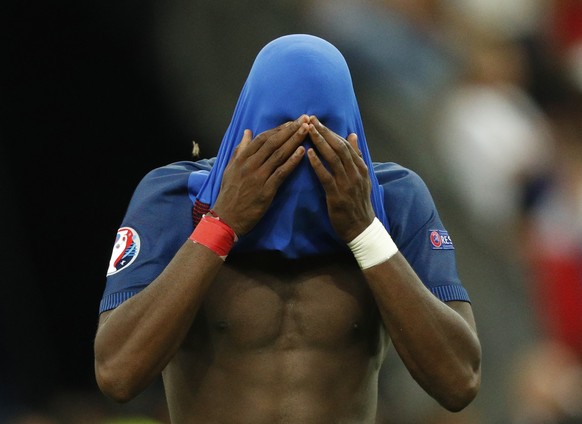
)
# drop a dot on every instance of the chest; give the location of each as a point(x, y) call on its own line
point(289, 305)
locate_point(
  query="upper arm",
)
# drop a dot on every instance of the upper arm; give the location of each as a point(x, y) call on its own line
point(157, 222)
point(419, 233)
point(465, 310)
point(103, 317)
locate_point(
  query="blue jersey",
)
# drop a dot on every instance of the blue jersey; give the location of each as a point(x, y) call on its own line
point(159, 219)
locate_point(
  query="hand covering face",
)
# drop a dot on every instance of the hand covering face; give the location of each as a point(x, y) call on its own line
point(293, 75)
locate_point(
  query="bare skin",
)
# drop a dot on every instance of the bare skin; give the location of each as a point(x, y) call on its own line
point(261, 339)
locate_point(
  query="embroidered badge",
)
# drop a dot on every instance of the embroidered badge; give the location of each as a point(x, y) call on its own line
point(125, 250)
point(440, 240)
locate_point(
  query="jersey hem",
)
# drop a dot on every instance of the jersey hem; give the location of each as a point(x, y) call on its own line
point(113, 300)
point(452, 292)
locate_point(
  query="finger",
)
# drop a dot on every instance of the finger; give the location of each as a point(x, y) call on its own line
point(283, 171)
point(278, 146)
point(251, 148)
point(324, 176)
point(347, 149)
point(337, 143)
point(285, 129)
point(327, 152)
point(280, 133)
point(356, 152)
point(244, 143)
point(283, 153)
point(335, 139)
point(258, 141)
point(353, 141)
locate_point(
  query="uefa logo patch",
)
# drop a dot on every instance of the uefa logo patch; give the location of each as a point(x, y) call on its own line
point(125, 250)
point(440, 240)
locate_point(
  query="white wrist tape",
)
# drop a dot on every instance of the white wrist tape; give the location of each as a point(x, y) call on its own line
point(373, 246)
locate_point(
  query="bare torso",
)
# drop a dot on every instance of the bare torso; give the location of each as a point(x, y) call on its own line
point(280, 341)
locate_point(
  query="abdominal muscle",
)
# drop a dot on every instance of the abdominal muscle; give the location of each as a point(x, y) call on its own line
point(296, 342)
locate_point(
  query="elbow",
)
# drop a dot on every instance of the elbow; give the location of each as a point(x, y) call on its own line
point(464, 383)
point(462, 392)
point(461, 396)
point(115, 383)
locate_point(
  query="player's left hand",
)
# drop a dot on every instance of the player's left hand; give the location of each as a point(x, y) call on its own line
point(344, 177)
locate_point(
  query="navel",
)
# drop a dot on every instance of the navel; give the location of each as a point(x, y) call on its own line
point(222, 325)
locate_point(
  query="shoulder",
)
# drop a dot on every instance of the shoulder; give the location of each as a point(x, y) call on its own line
point(165, 187)
point(408, 202)
point(177, 170)
point(418, 231)
point(400, 183)
point(172, 177)
point(393, 175)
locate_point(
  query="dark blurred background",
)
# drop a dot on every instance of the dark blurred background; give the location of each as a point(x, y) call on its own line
point(481, 99)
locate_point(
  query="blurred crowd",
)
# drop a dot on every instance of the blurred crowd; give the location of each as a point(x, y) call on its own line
point(483, 98)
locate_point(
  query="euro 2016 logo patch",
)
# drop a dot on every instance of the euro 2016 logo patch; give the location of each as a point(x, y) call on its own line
point(125, 250)
point(440, 240)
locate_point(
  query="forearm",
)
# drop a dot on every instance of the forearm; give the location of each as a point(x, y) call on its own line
point(437, 344)
point(136, 340)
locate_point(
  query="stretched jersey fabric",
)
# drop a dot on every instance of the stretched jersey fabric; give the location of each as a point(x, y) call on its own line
point(159, 220)
point(293, 75)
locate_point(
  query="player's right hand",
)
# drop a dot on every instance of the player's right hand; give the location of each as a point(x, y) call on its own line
point(255, 172)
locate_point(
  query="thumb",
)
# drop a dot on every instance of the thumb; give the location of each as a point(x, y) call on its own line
point(246, 139)
point(353, 140)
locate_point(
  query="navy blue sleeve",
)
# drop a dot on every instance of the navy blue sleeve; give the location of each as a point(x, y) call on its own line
point(417, 230)
point(157, 222)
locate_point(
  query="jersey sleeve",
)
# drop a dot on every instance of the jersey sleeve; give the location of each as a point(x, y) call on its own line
point(157, 222)
point(418, 231)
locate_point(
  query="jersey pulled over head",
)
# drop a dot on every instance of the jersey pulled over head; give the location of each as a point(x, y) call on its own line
point(293, 75)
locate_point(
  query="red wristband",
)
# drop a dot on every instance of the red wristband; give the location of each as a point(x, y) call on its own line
point(215, 234)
